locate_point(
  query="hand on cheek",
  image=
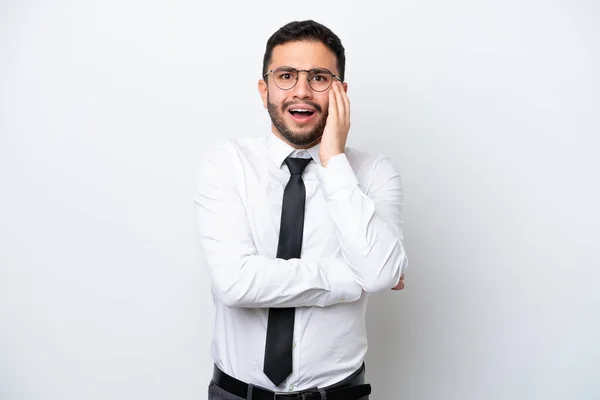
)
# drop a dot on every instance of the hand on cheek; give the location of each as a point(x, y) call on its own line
point(337, 125)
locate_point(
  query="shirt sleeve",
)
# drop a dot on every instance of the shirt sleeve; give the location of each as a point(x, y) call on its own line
point(368, 225)
point(241, 277)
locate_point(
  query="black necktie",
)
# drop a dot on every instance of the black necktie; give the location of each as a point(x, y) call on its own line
point(280, 328)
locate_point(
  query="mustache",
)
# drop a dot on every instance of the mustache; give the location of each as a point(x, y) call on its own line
point(287, 104)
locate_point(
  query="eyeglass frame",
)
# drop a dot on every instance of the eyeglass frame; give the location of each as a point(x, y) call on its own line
point(308, 71)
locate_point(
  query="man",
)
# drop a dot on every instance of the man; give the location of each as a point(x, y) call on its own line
point(297, 230)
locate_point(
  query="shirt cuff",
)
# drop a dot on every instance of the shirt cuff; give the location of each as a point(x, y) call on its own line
point(337, 176)
point(344, 288)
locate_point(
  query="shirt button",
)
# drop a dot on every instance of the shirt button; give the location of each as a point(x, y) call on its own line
point(294, 345)
point(301, 153)
point(291, 387)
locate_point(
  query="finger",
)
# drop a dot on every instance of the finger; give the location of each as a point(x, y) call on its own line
point(340, 101)
point(346, 100)
point(333, 100)
point(333, 110)
point(343, 100)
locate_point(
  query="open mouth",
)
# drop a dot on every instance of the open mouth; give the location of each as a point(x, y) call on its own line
point(301, 114)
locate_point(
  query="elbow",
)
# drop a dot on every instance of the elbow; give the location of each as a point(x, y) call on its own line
point(387, 276)
point(230, 299)
point(228, 285)
point(228, 293)
point(234, 295)
point(378, 284)
point(232, 303)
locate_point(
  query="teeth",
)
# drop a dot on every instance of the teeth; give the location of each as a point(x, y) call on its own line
point(300, 110)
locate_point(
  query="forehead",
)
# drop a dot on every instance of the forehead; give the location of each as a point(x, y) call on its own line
point(303, 55)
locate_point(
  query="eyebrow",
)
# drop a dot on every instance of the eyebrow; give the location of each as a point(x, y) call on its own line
point(321, 70)
point(288, 68)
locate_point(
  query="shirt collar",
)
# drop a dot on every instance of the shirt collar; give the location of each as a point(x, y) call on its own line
point(278, 150)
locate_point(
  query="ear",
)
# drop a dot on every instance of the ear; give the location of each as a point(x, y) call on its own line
point(345, 86)
point(263, 90)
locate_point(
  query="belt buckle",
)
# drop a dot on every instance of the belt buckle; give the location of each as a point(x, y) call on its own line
point(302, 395)
point(286, 395)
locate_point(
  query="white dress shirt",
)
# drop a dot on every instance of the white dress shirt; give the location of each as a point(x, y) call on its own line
point(352, 246)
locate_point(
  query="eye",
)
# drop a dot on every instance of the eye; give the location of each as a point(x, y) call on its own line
point(285, 74)
point(321, 77)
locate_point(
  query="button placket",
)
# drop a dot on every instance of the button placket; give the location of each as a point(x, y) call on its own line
point(296, 349)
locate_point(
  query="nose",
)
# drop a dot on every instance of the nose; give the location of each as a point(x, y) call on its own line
point(302, 89)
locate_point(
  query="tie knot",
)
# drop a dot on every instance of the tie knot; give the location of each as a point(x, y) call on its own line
point(297, 165)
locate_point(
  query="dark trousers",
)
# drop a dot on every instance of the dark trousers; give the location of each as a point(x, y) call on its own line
point(216, 393)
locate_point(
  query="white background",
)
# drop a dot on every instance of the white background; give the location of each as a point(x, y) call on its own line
point(489, 110)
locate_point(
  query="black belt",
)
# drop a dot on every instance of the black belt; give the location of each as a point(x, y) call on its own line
point(351, 388)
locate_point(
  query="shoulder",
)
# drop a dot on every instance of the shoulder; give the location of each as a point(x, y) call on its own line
point(374, 171)
point(366, 161)
point(228, 149)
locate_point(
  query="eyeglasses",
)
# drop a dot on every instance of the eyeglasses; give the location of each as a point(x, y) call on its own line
point(319, 79)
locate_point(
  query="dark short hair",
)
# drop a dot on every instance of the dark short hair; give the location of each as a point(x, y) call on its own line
point(311, 31)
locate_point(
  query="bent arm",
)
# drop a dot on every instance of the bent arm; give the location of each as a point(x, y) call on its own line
point(368, 226)
point(240, 276)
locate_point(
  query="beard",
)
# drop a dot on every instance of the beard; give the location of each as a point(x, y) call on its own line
point(300, 136)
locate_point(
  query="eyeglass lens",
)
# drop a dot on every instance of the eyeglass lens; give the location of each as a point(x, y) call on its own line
point(319, 79)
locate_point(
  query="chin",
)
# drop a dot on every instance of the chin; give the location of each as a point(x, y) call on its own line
point(303, 140)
